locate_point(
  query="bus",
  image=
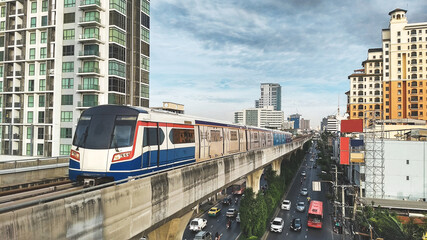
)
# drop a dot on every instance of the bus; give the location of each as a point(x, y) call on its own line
point(315, 214)
point(239, 187)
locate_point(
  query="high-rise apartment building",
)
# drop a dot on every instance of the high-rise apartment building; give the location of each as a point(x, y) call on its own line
point(365, 95)
point(60, 57)
point(271, 95)
point(405, 68)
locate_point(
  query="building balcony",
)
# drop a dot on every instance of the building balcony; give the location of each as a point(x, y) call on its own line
point(413, 100)
point(90, 21)
point(89, 54)
point(90, 39)
point(89, 71)
point(90, 5)
point(87, 104)
point(88, 88)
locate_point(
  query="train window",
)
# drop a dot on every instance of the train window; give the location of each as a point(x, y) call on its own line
point(215, 136)
point(124, 130)
point(178, 136)
point(150, 137)
point(233, 135)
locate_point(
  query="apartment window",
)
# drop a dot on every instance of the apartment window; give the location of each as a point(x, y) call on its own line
point(90, 100)
point(91, 66)
point(68, 67)
point(33, 7)
point(66, 132)
point(32, 53)
point(69, 17)
point(33, 22)
point(29, 132)
point(43, 37)
point(30, 101)
point(398, 40)
point(398, 33)
point(145, 34)
point(44, 6)
point(119, 5)
point(116, 84)
point(399, 114)
point(64, 149)
point(31, 69)
point(30, 117)
point(407, 177)
point(68, 50)
point(387, 110)
point(399, 106)
point(116, 68)
point(386, 52)
point(90, 83)
point(3, 11)
point(40, 149)
point(67, 100)
point(144, 76)
point(91, 33)
point(399, 92)
point(2, 41)
point(43, 52)
point(42, 69)
point(399, 99)
point(145, 63)
point(30, 85)
point(117, 36)
point(145, 6)
point(91, 16)
point(117, 19)
point(398, 48)
point(69, 3)
point(407, 162)
point(44, 21)
point(399, 84)
point(32, 38)
point(67, 83)
point(42, 85)
point(66, 116)
point(69, 34)
point(118, 52)
point(144, 91)
point(41, 101)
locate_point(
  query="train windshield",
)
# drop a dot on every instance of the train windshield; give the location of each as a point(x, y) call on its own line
point(105, 131)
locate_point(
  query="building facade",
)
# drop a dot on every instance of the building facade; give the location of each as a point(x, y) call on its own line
point(405, 68)
point(365, 95)
point(60, 57)
point(265, 117)
point(296, 118)
point(271, 95)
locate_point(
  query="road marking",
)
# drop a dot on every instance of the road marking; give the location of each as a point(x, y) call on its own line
point(305, 236)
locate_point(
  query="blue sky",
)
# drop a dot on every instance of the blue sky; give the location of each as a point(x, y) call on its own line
point(212, 55)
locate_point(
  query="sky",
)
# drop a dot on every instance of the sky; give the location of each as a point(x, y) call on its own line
point(212, 55)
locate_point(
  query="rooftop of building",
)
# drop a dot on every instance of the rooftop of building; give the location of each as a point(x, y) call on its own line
point(397, 10)
point(375, 50)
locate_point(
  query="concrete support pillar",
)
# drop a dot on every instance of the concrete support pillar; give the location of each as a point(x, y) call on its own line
point(253, 179)
point(275, 165)
point(172, 230)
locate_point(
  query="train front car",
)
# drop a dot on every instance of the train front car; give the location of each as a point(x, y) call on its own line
point(103, 146)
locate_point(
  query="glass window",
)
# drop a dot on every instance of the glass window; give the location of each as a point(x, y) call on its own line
point(33, 7)
point(42, 69)
point(66, 132)
point(44, 21)
point(29, 132)
point(40, 149)
point(1, 41)
point(43, 37)
point(41, 101)
point(67, 100)
point(178, 136)
point(90, 83)
point(32, 38)
point(91, 66)
point(3, 11)
point(29, 149)
point(117, 36)
point(66, 116)
point(68, 50)
point(145, 34)
point(91, 33)
point(116, 68)
point(43, 52)
point(145, 6)
point(42, 85)
point(67, 83)
point(30, 117)
point(2, 24)
point(69, 17)
point(30, 85)
point(69, 3)
point(68, 67)
point(145, 63)
point(41, 118)
point(31, 69)
point(91, 16)
point(119, 5)
point(44, 6)
point(69, 34)
point(150, 137)
point(32, 53)
point(30, 101)
point(90, 100)
point(64, 149)
point(33, 22)
point(144, 91)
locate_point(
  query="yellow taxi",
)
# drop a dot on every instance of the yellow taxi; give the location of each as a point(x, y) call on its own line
point(213, 212)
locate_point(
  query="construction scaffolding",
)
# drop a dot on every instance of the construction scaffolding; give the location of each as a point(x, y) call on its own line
point(374, 154)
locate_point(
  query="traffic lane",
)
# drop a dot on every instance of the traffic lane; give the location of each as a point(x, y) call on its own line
point(218, 223)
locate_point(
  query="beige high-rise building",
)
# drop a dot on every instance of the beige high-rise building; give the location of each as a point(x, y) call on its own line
point(405, 68)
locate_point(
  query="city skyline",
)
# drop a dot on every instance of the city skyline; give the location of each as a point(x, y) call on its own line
point(212, 56)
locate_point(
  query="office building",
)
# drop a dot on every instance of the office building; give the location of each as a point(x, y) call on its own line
point(271, 95)
point(296, 118)
point(265, 117)
point(58, 58)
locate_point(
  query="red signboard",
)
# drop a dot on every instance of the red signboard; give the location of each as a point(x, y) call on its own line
point(349, 126)
point(345, 143)
point(344, 157)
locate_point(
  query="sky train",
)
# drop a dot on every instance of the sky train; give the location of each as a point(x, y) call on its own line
point(114, 142)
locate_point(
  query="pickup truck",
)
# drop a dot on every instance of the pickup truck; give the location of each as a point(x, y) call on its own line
point(198, 224)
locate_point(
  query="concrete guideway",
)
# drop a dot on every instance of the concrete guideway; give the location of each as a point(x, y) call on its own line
point(136, 208)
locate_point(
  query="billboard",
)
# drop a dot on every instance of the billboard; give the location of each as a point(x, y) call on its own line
point(354, 125)
point(344, 157)
point(344, 150)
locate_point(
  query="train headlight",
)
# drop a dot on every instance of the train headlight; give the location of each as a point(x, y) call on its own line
point(75, 155)
point(121, 156)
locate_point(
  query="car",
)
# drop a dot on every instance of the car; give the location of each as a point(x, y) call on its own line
point(311, 160)
point(304, 191)
point(198, 224)
point(213, 212)
point(286, 205)
point(227, 201)
point(231, 213)
point(203, 235)
point(296, 224)
point(300, 206)
point(238, 217)
point(303, 173)
point(277, 225)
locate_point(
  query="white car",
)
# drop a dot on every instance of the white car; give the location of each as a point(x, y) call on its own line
point(277, 225)
point(300, 207)
point(304, 192)
point(198, 224)
point(286, 205)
